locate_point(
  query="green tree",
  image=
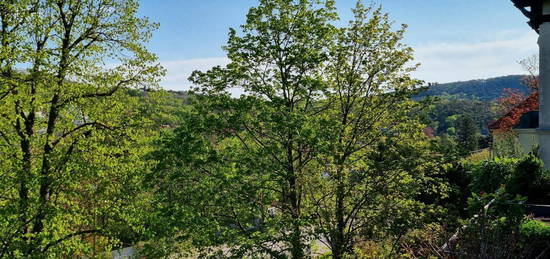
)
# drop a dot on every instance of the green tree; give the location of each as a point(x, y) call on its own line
point(277, 58)
point(467, 133)
point(370, 117)
point(69, 129)
point(313, 151)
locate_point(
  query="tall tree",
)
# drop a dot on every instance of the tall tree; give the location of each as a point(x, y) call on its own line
point(276, 58)
point(67, 122)
point(370, 116)
point(467, 133)
point(311, 152)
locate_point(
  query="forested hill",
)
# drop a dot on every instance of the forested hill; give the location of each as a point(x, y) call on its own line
point(482, 89)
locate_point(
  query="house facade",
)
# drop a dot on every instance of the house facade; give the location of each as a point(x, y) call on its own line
point(517, 129)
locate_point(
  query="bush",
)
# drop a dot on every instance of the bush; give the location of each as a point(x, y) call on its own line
point(494, 226)
point(458, 177)
point(531, 180)
point(536, 235)
point(425, 242)
point(492, 231)
point(535, 230)
point(478, 157)
point(524, 176)
point(490, 175)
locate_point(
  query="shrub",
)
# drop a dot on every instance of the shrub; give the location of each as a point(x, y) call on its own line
point(489, 176)
point(536, 236)
point(425, 242)
point(478, 157)
point(459, 179)
point(495, 225)
point(492, 231)
point(535, 230)
point(531, 180)
point(524, 176)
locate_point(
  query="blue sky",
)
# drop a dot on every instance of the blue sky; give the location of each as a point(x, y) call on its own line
point(453, 39)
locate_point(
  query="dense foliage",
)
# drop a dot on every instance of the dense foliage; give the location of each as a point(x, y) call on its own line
point(325, 147)
point(72, 135)
point(486, 213)
point(333, 150)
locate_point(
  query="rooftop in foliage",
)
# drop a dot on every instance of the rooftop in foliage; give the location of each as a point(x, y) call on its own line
point(521, 116)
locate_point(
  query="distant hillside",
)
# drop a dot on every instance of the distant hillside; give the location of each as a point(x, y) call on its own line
point(183, 95)
point(482, 89)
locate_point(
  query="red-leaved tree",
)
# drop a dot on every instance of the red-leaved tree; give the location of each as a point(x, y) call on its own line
point(514, 103)
point(513, 97)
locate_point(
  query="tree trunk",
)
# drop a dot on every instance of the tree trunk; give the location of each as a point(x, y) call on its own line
point(297, 247)
point(338, 248)
point(297, 250)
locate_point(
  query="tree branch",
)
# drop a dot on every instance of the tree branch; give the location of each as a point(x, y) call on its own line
point(95, 124)
point(67, 237)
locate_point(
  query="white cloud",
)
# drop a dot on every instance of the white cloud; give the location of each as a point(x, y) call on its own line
point(448, 62)
point(440, 61)
point(178, 71)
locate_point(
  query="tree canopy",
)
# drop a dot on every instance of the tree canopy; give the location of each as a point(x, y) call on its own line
point(69, 126)
point(302, 157)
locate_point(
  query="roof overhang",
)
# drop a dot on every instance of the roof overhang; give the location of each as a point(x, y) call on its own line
point(523, 3)
point(532, 9)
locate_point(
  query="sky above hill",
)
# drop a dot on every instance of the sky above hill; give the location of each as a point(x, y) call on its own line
point(454, 40)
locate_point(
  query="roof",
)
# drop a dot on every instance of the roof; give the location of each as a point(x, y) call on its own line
point(523, 3)
point(514, 116)
point(532, 9)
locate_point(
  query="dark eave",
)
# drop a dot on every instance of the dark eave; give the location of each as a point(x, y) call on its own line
point(532, 9)
point(529, 120)
point(523, 3)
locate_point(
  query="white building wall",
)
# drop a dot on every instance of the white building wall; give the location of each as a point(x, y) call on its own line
point(528, 139)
